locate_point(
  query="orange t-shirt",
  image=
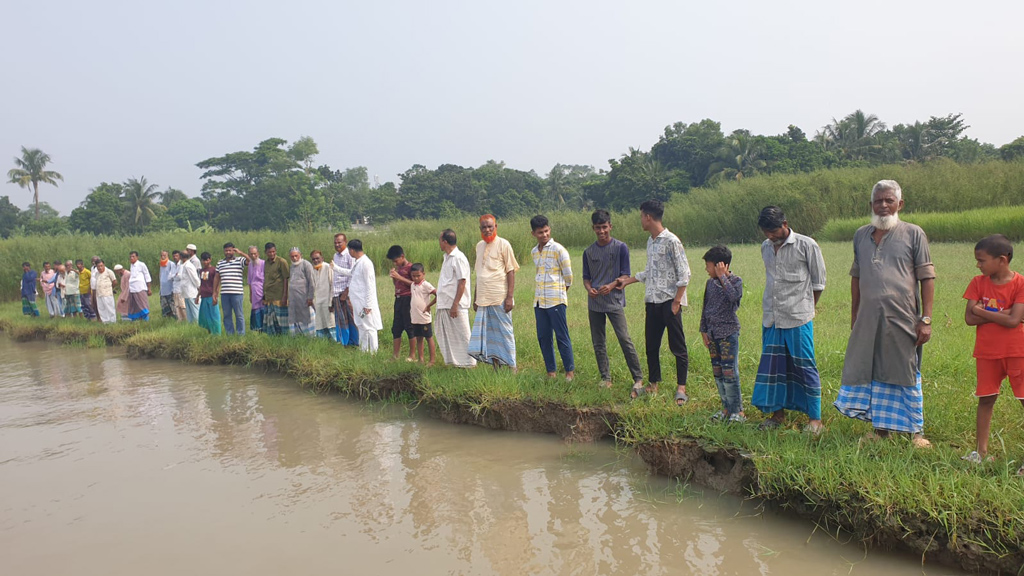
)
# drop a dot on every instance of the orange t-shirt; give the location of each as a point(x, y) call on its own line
point(993, 341)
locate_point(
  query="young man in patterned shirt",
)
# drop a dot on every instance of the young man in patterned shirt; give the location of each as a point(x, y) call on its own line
point(553, 279)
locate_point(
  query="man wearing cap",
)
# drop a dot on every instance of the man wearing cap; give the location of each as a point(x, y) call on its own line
point(191, 251)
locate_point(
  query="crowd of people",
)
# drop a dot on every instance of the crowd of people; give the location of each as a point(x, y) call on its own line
point(892, 293)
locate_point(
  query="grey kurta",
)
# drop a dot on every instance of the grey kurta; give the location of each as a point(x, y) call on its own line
point(881, 346)
point(323, 288)
point(300, 289)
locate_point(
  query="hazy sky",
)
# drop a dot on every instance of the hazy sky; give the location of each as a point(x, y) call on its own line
point(114, 89)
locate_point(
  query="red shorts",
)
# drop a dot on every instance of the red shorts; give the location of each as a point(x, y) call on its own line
point(991, 374)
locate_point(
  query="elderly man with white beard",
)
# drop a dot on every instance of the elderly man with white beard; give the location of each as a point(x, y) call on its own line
point(892, 288)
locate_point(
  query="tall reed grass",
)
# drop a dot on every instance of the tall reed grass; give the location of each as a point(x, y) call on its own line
point(967, 226)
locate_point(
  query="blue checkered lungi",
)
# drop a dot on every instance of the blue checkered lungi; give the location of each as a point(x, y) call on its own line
point(885, 406)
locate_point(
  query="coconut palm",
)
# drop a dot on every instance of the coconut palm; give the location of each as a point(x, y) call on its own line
point(739, 158)
point(141, 200)
point(31, 169)
point(855, 136)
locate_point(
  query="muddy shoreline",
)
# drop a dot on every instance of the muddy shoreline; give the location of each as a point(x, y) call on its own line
point(722, 469)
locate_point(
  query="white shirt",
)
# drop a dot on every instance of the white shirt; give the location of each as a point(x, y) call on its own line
point(362, 292)
point(455, 267)
point(140, 278)
point(189, 280)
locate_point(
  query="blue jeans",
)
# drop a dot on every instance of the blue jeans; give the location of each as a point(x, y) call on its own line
point(552, 320)
point(234, 322)
point(726, 367)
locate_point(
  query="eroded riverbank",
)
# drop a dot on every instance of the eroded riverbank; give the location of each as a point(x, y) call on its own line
point(491, 404)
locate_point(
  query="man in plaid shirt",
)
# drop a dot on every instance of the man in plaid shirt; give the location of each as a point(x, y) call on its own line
point(554, 276)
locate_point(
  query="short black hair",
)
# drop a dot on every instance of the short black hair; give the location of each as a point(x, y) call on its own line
point(417, 267)
point(205, 256)
point(26, 264)
point(719, 253)
point(133, 253)
point(653, 208)
point(356, 245)
point(100, 261)
point(178, 252)
point(46, 262)
point(395, 251)
point(448, 235)
point(539, 221)
point(79, 261)
point(229, 245)
point(600, 217)
point(268, 246)
point(771, 218)
point(995, 246)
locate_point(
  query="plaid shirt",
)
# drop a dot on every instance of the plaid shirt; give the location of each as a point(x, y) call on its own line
point(554, 275)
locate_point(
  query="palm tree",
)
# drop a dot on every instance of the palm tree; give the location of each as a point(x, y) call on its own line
point(31, 169)
point(141, 202)
point(739, 158)
point(855, 135)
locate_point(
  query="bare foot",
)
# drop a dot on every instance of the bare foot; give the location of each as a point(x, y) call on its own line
point(606, 383)
point(570, 376)
point(919, 441)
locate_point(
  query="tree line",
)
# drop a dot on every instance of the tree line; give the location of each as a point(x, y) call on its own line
point(280, 185)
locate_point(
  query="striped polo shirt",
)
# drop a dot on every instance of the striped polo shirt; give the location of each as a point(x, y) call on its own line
point(231, 273)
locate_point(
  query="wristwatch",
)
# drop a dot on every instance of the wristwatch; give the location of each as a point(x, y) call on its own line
point(926, 320)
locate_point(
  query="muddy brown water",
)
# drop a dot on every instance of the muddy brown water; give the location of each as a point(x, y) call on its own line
point(112, 466)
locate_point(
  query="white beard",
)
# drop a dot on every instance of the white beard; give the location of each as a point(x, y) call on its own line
point(885, 222)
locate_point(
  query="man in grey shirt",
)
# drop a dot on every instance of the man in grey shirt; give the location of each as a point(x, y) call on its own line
point(605, 266)
point(891, 320)
point(787, 376)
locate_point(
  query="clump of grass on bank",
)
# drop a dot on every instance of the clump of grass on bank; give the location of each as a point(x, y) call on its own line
point(966, 226)
point(885, 484)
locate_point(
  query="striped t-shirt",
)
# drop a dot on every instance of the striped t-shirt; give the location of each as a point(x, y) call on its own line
point(231, 273)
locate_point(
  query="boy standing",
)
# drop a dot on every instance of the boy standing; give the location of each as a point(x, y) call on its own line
point(550, 299)
point(995, 304)
point(720, 329)
point(209, 288)
point(605, 264)
point(401, 275)
point(420, 313)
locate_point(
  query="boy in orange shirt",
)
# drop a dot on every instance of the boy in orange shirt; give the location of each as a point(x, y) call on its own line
point(995, 304)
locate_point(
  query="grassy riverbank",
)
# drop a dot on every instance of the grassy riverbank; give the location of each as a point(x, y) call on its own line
point(887, 492)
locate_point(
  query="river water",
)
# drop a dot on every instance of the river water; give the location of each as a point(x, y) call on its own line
point(110, 466)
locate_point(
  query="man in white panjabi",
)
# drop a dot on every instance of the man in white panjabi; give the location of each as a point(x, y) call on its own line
point(362, 292)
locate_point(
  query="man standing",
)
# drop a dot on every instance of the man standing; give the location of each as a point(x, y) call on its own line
point(139, 289)
point(550, 298)
point(85, 289)
point(167, 269)
point(493, 341)
point(605, 266)
point(190, 254)
point(92, 273)
point(787, 376)
point(176, 297)
point(300, 295)
point(345, 331)
point(72, 293)
point(276, 272)
point(665, 281)
point(28, 290)
point(230, 271)
point(48, 281)
point(255, 278)
point(188, 278)
point(453, 290)
point(891, 320)
point(103, 282)
point(363, 294)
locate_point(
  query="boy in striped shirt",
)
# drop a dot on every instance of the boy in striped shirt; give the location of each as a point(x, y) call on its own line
point(231, 270)
point(554, 276)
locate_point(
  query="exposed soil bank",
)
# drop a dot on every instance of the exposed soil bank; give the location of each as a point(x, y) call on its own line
point(690, 460)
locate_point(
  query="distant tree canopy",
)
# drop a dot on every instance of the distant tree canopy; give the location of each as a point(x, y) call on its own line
point(278, 185)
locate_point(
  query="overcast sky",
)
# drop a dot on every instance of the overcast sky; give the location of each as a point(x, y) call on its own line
point(114, 89)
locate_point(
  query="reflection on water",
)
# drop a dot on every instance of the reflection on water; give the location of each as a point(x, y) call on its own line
point(109, 466)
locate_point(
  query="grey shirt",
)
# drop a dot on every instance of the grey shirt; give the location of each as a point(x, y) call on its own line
point(601, 266)
point(881, 345)
point(792, 275)
point(667, 269)
point(300, 289)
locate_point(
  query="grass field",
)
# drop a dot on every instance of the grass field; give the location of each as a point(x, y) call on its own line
point(887, 483)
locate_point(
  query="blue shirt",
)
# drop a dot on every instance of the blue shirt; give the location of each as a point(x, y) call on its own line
point(28, 284)
point(167, 274)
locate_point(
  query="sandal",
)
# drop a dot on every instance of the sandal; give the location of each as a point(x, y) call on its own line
point(718, 416)
point(769, 424)
point(737, 418)
point(814, 429)
point(681, 398)
point(636, 392)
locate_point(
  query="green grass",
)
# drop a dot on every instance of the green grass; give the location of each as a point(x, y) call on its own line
point(886, 483)
point(966, 226)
